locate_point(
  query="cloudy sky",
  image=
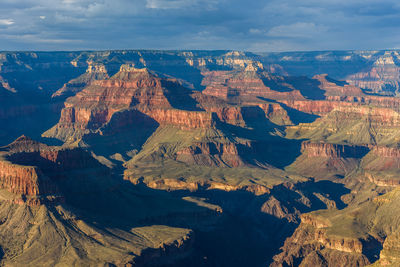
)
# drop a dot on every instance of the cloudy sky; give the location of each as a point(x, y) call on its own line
point(252, 25)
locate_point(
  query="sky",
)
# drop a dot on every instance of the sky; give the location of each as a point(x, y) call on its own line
point(247, 25)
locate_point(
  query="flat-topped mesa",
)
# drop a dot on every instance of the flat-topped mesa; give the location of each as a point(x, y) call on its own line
point(312, 238)
point(183, 118)
point(336, 88)
point(94, 71)
point(317, 107)
point(247, 83)
point(321, 149)
point(232, 60)
point(322, 107)
point(323, 160)
point(378, 116)
point(32, 169)
point(361, 125)
point(240, 115)
point(212, 154)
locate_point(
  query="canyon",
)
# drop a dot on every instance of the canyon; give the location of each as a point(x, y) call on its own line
point(200, 158)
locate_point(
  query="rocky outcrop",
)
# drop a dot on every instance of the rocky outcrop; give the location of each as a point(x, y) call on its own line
point(246, 84)
point(32, 169)
point(311, 243)
point(248, 114)
point(195, 186)
point(93, 72)
point(360, 125)
point(382, 77)
point(323, 160)
point(183, 118)
point(318, 107)
point(332, 150)
point(130, 88)
point(25, 180)
point(211, 154)
point(332, 88)
point(166, 253)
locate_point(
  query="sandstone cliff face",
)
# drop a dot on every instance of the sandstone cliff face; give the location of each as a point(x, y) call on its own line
point(250, 112)
point(310, 244)
point(318, 107)
point(333, 89)
point(166, 253)
point(247, 83)
point(332, 150)
point(383, 76)
point(24, 180)
point(32, 170)
point(94, 71)
point(232, 59)
point(211, 154)
point(361, 125)
point(325, 160)
point(130, 88)
point(183, 118)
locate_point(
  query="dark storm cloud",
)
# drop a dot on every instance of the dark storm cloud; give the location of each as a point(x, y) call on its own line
point(274, 25)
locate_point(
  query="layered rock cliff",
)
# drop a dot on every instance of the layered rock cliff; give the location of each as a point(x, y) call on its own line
point(325, 160)
point(247, 83)
point(93, 72)
point(351, 124)
point(311, 245)
point(33, 170)
point(130, 88)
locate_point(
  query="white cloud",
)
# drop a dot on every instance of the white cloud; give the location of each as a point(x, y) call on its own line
point(179, 4)
point(168, 4)
point(256, 31)
point(299, 29)
point(7, 22)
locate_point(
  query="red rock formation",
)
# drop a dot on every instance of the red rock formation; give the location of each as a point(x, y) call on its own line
point(379, 116)
point(383, 75)
point(318, 107)
point(237, 115)
point(21, 179)
point(310, 238)
point(31, 169)
point(130, 88)
point(211, 154)
point(379, 163)
point(276, 113)
point(325, 160)
point(93, 72)
point(244, 84)
point(332, 150)
point(386, 152)
point(333, 89)
point(182, 118)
